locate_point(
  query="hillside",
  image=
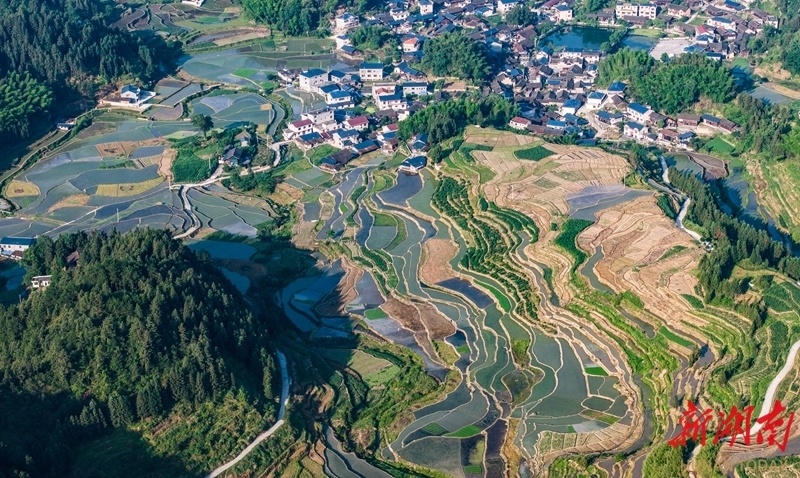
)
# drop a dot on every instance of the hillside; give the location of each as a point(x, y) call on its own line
point(142, 348)
point(66, 47)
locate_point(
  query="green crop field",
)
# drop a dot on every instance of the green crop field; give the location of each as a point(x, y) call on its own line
point(373, 314)
point(693, 301)
point(467, 431)
point(674, 338)
point(434, 429)
point(596, 371)
point(537, 153)
point(719, 145)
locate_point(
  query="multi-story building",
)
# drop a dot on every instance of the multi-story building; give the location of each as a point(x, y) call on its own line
point(627, 10)
point(648, 10)
point(311, 80)
point(371, 71)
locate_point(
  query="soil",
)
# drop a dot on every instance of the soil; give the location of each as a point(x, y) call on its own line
point(335, 302)
point(438, 325)
point(436, 266)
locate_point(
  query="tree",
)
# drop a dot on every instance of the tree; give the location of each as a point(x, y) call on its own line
point(435, 153)
point(119, 410)
point(521, 15)
point(454, 54)
point(203, 122)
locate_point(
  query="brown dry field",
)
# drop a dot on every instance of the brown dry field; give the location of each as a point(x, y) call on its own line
point(17, 189)
point(70, 201)
point(634, 236)
point(436, 266)
point(243, 34)
point(409, 317)
point(127, 189)
point(123, 148)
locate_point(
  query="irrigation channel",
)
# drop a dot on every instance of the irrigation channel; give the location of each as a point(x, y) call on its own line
point(558, 399)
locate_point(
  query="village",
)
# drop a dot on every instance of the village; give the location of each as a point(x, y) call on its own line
point(554, 88)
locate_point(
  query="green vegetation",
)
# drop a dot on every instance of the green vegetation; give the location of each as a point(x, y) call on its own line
point(668, 87)
point(501, 298)
point(519, 349)
point(487, 253)
point(537, 153)
point(22, 98)
point(665, 203)
point(467, 431)
point(665, 461)
point(434, 429)
point(292, 17)
point(455, 54)
point(373, 314)
point(596, 371)
point(371, 37)
point(567, 237)
point(53, 51)
point(766, 129)
point(245, 72)
point(139, 317)
point(673, 337)
point(473, 469)
point(520, 15)
point(719, 145)
point(321, 151)
point(693, 301)
point(446, 119)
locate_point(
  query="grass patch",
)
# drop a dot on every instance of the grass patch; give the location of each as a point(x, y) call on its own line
point(537, 153)
point(519, 349)
point(601, 416)
point(245, 72)
point(321, 151)
point(693, 301)
point(501, 298)
point(434, 429)
point(672, 337)
point(473, 470)
point(596, 370)
point(463, 349)
point(672, 251)
point(467, 431)
point(566, 240)
point(373, 314)
point(719, 145)
point(128, 189)
point(187, 167)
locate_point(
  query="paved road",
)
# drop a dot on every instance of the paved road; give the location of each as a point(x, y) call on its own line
point(284, 401)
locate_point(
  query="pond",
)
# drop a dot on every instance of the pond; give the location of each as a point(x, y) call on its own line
point(764, 93)
point(590, 38)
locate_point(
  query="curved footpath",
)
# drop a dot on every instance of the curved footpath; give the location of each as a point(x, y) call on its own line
point(284, 401)
point(769, 397)
point(684, 208)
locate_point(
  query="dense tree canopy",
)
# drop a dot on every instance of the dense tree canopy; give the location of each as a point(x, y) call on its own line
point(521, 15)
point(446, 119)
point(454, 54)
point(140, 326)
point(66, 45)
point(371, 37)
point(668, 87)
point(766, 128)
point(21, 98)
point(293, 17)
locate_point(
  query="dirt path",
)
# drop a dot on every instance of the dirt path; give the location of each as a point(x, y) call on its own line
point(284, 401)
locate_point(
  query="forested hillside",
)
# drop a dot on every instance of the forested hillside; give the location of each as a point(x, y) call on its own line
point(140, 335)
point(68, 47)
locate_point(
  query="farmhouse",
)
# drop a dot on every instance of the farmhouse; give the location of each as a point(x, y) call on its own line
point(637, 112)
point(346, 21)
point(130, 96)
point(505, 6)
point(518, 122)
point(688, 121)
point(634, 130)
point(414, 164)
point(418, 88)
point(609, 118)
point(563, 13)
point(595, 99)
point(627, 10)
point(298, 128)
point(41, 282)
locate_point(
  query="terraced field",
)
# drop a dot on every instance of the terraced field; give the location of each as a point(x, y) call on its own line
point(563, 301)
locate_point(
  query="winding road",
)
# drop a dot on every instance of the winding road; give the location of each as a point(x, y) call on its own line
point(284, 401)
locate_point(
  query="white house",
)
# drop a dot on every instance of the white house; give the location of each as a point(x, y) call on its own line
point(721, 22)
point(41, 282)
point(394, 101)
point(411, 45)
point(634, 130)
point(298, 128)
point(505, 6)
point(312, 79)
point(563, 13)
point(639, 113)
point(346, 21)
point(339, 99)
point(414, 164)
point(370, 71)
point(648, 10)
point(194, 3)
point(419, 88)
point(425, 7)
point(595, 100)
point(519, 122)
point(627, 10)
point(130, 96)
point(11, 244)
